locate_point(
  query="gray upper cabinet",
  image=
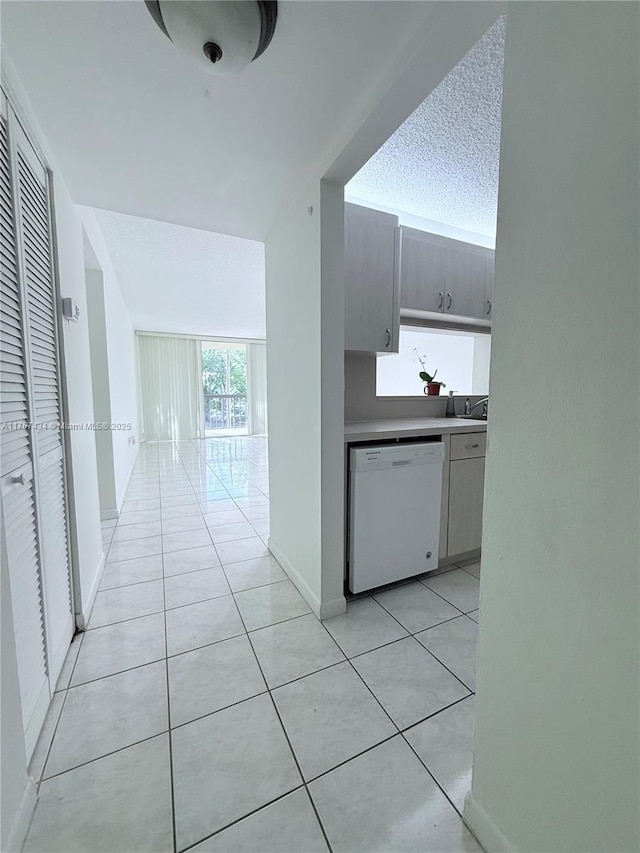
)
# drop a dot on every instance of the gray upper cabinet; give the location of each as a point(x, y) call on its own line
point(465, 283)
point(372, 281)
point(424, 270)
point(442, 275)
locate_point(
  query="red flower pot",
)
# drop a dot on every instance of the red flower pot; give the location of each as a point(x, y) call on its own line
point(433, 389)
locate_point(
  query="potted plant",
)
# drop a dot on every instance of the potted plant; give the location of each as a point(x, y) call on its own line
point(431, 388)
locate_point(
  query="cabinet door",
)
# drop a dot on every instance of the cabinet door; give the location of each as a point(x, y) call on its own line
point(372, 310)
point(423, 271)
point(466, 493)
point(488, 287)
point(465, 283)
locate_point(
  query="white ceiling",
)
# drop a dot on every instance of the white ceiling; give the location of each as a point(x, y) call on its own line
point(442, 163)
point(136, 128)
point(184, 280)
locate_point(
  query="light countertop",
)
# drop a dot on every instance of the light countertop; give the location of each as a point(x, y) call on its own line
point(408, 428)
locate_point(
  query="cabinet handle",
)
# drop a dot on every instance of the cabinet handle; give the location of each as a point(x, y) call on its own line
point(388, 334)
point(471, 446)
point(441, 300)
point(20, 480)
point(489, 306)
point(449, 301)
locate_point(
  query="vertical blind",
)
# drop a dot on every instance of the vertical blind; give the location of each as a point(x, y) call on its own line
point(257, 390)
point(170, 387)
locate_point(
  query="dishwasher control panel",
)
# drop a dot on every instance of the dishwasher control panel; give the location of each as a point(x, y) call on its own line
point(393, 455)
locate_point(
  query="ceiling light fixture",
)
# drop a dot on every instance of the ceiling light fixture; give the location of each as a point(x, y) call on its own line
point(222, 36)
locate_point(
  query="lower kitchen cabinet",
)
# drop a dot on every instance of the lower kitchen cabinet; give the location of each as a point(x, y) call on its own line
point(466, 494)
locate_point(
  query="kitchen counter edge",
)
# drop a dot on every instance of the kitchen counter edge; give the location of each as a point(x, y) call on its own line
point(384, 430)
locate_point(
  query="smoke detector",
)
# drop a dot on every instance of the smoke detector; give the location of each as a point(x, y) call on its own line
point(221, 36)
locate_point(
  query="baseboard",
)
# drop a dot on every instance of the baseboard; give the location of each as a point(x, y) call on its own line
point(324, 609)
point(126, 486)
point(22, 820)
point(334, 607)
point(82, 619)
point(466, 558)
point(482, 826)
point(36, 720)
point(60, 654)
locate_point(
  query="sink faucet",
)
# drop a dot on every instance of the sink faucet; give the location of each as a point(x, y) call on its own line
point(469, 409)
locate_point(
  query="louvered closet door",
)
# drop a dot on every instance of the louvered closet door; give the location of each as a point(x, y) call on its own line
point(16, 470)
point(37, 269)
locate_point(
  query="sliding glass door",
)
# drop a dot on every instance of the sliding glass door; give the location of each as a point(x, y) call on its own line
point(224, 387)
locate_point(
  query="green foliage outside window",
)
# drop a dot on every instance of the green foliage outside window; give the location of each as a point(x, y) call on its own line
point(224, 371)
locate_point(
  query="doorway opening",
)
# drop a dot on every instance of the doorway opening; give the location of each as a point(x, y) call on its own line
point(224, 388)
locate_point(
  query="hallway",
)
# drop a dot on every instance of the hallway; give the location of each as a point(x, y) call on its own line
point(286, 734)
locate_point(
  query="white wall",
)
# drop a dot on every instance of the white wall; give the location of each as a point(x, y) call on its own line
point(461, 362)
point(293, 391)
point(332, 315)
point(84, 509)
point(101, 391)
point(557, 713)
point(224, 275)
point(305, 389)
point(122, 359)
point(362, 404)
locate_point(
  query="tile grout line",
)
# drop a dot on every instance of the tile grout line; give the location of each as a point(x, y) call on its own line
point(168, 686)
point(433, 655)
point(185, 492)
point(263, 693)
point(455, 808)
point(424, 584)
point(269, 690)
point(423, 646)
point(413, 634)
point(120, 671)
point(239, 820)
point(106, 755)
point(286, 735)
point(41, 775)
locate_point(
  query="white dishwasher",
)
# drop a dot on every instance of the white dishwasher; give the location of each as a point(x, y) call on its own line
point(394, 506)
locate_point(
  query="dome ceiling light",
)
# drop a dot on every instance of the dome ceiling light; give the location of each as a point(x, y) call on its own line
point(221, 36)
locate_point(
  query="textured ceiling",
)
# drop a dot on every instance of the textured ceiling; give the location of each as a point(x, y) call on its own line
point(442, 163)
point(183, 280)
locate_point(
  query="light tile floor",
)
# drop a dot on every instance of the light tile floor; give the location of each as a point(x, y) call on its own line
point(206, 708)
